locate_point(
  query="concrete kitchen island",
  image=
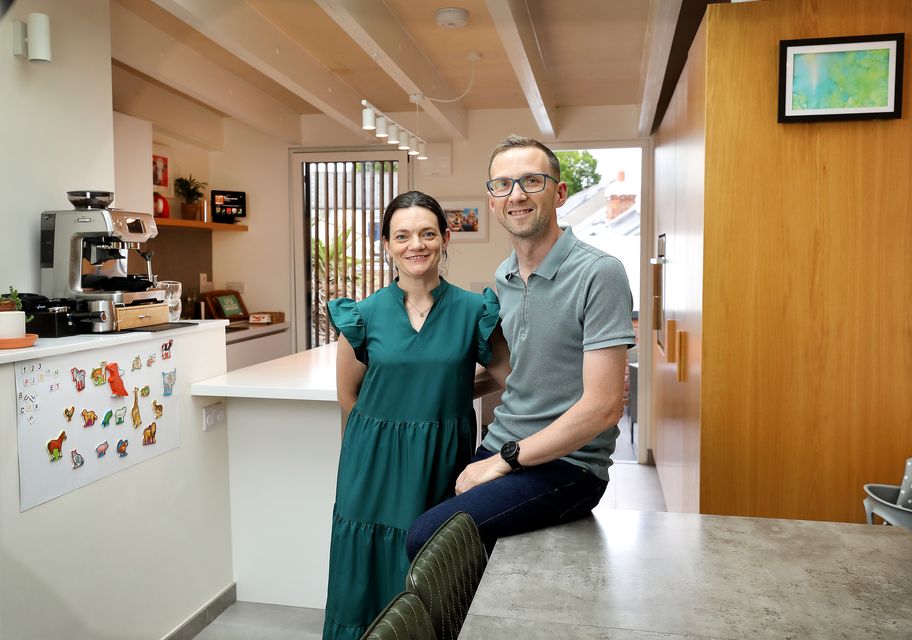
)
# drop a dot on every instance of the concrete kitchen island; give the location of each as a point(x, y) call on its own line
point(283, 424)
point(139, 553)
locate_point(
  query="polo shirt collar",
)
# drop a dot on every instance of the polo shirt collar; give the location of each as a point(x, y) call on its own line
point(552, 262)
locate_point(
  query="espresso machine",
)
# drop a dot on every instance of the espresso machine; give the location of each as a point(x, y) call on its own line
point(84, 264)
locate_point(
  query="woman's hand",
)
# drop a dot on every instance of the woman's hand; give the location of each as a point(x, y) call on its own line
point(481, 472)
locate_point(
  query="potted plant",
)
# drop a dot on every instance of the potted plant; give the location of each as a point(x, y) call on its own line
point(190, 191)
point(12, 318)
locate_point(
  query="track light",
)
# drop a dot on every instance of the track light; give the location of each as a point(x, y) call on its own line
point(367, 119)
point(381, 127)
point(372, 119)
point(393, 137)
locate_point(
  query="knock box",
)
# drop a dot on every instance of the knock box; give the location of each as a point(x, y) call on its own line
point(226, 206)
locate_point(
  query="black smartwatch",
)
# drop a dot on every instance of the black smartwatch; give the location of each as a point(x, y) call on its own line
point(510, 453)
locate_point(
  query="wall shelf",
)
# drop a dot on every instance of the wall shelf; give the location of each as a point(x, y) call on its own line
point(196, 224)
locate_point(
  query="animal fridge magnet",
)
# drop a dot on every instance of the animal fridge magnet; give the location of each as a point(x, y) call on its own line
point(122, 447)
point(69, 413)
point(145, 391)
point(134, 412)
point(107, 418)
point(77, 458)
point(166, 349)
point(137, 364)
point(150, 360)
point(101, 449)
point(79, 377)
point(114, 379)
point(55, 446)
point(157, 409)
point(89, 418)
point(149, 434)
point(168, 380)
point(119, 415)
point(98, 375)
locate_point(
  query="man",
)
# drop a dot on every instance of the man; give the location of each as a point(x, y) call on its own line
point(566, 315)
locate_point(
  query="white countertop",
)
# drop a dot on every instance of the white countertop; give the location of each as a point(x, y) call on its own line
point(308, 375)
point(45, 347)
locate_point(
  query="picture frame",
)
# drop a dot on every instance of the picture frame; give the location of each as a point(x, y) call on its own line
point(162, 181)
point(467, 219)
point(225, 304)
point(844, 78)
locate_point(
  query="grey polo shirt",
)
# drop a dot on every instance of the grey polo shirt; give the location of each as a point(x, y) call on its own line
point(578, 299)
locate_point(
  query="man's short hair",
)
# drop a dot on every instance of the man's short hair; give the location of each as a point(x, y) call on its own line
point(514, 141)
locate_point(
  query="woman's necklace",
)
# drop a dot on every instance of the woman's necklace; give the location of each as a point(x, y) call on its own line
point(420, 312)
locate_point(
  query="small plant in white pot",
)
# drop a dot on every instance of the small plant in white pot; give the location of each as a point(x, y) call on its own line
point(12, 318)
point(191, 191)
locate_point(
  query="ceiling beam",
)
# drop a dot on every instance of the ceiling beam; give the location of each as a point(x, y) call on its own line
point(517, 34)
point(660, 30)
point(380, 34)
point(245, 33)
point(141, 46)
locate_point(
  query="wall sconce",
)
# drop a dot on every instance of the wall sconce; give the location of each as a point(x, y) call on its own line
point(32, 38)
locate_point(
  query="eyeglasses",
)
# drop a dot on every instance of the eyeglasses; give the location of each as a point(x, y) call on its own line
point(529, 183)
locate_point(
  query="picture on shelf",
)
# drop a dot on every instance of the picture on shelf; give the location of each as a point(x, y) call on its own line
point(161, 175)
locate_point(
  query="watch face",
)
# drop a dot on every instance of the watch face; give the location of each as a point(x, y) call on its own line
point(509, 450)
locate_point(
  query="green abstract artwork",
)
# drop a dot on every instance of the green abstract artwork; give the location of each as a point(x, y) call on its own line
point(841, 79)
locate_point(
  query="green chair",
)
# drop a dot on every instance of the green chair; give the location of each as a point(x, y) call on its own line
point(446, 571)
point(404, 618)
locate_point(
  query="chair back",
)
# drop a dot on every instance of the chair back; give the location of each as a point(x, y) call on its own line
point(446, 571)
point(404, 618)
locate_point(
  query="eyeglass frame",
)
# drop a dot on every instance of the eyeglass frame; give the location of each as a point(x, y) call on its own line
point(517, 181)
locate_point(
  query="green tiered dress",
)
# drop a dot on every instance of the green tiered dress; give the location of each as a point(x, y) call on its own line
point(408, 437)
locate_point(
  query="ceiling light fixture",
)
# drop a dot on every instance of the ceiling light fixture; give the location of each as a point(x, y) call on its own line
point(372, 119)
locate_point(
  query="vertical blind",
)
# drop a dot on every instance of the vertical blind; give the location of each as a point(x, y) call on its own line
point(343, 206)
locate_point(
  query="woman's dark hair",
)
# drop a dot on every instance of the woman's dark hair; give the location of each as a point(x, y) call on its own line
point(412, 199)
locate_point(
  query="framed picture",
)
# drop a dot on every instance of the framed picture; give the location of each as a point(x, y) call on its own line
point(225, 303)
point(161, 176)
point(467, 220)
point(848, 78)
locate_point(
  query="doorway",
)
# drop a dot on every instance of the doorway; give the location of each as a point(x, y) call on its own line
point(606, 209)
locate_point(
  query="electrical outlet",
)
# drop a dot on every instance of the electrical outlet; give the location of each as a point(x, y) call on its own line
point(235, 285)
point(215, 415)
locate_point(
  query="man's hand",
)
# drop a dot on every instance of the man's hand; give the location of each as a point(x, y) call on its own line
point(480, 472)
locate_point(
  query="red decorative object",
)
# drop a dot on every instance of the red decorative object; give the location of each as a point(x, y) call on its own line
point(161, 208)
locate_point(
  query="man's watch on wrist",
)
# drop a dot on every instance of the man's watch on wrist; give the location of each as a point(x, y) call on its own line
point(510, 453)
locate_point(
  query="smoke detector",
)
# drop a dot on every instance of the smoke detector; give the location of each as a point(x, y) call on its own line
point(452, 17)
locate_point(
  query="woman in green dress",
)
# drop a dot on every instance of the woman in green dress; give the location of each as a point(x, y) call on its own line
point(405, 375)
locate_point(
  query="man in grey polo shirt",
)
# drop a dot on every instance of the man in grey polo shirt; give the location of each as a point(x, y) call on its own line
point(566, 315)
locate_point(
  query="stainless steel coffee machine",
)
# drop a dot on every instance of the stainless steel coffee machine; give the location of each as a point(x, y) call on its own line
point(84, 258)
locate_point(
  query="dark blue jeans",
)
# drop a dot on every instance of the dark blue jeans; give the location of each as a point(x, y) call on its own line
point(537, 497)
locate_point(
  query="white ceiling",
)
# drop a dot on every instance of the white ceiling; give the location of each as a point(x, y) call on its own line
point(301, 57)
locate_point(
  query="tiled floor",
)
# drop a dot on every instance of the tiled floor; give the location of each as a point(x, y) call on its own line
point(632, 486)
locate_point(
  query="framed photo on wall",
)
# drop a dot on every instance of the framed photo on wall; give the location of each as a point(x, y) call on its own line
point(162, 181)
point(467, 219)
point(845, 78)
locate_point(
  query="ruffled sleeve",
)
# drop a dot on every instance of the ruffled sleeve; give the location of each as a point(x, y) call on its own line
point(490, 318)
point(346, 319)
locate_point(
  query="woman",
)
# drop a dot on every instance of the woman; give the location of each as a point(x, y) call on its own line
point(405, 375)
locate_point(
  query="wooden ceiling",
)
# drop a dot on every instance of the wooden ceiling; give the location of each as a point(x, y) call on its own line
point(322, 56)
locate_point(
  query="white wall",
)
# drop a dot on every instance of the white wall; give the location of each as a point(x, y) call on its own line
point(132, 153)
point(260, 258)
point(56, 132)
